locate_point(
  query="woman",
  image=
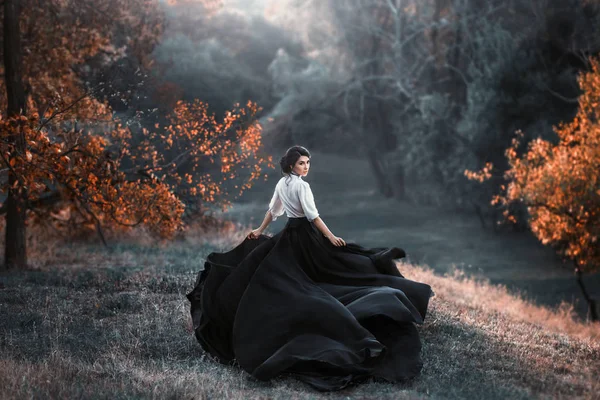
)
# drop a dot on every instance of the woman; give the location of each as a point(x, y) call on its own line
point(307, 304)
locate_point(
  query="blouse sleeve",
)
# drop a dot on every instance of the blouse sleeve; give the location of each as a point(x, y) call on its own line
point(307, 201)
point(276, 206)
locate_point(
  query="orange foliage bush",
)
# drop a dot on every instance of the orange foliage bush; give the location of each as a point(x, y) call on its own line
point(211, 151)
point(560, 183)
point(81, 169)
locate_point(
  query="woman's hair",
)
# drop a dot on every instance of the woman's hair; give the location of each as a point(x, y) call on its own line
point(290, 158)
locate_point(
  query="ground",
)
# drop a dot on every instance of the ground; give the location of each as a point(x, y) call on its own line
point(116, 325)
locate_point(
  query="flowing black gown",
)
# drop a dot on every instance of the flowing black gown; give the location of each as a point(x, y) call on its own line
point(296, 304)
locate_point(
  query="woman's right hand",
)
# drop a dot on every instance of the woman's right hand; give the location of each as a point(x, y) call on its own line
point(336, 241)
point(255, 234)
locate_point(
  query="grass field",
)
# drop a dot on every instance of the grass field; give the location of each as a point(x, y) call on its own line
point(87, 323)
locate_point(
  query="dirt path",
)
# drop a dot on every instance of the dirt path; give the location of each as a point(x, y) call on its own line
point(348, 202)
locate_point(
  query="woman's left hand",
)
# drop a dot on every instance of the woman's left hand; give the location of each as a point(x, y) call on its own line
point(255, 234)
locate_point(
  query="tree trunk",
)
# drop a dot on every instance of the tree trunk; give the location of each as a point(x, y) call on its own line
point(378, 143)
point(459, 86)
point(15, 254)
point(434, 36)
point(592, 305)
point(398, 183)
point(380, 174)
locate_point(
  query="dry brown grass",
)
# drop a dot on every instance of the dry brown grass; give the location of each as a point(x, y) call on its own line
point(480, 295)
point(96, 324)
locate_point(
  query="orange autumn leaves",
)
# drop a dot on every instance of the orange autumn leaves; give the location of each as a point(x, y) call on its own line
point(560, 183)
point(199, 154)
point(82, 169)
point(58, 36)
point(101, 178)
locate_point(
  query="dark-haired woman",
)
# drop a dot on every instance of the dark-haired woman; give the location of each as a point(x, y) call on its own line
point(307, 304)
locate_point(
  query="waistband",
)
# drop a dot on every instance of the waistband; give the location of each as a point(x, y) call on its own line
point(297, 221)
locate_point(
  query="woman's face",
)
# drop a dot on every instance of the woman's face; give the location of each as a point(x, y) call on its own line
point(302, 166)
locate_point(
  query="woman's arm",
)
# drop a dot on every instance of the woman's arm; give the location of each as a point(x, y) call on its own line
point(275, 210)
point(266, 221)
point(336, 241)
point(310, 210)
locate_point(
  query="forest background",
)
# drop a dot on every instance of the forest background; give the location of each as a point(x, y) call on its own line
point(142, 122)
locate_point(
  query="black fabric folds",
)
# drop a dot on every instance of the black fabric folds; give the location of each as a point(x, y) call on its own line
point(296, 304)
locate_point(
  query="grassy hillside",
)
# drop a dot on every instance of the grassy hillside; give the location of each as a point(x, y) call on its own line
point(92, 324)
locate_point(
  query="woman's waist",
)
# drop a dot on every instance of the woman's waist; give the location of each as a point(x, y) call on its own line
point(297, 221)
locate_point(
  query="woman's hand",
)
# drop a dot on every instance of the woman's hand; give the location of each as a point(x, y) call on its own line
point(254, 234)
point(336, 241)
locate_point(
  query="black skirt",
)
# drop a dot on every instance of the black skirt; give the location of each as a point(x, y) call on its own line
point(296, 304)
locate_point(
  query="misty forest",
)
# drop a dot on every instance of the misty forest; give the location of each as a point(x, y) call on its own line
point(138, 136)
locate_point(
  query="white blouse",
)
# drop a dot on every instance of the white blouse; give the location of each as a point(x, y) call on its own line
point(293, 195)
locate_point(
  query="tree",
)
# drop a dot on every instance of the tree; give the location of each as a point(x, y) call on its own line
point(15, 253)
point(560, 185)
point(70, 162)
point(382, 71)
point(394, 91)
point(427, 88)
point(360, 79)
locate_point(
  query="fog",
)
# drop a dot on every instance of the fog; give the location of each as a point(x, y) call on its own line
point(417, 91)
point(422, 90)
